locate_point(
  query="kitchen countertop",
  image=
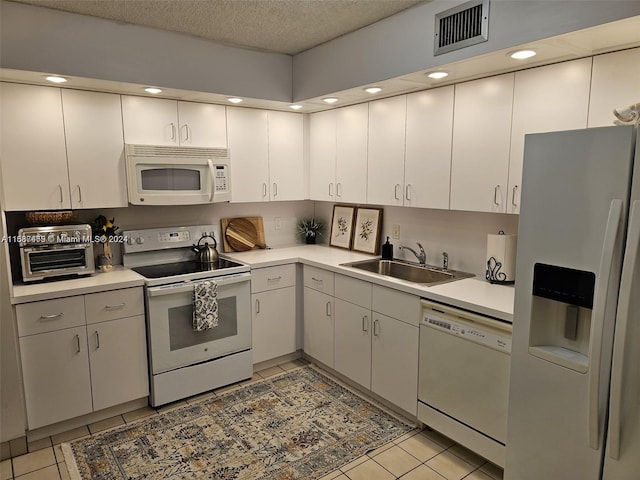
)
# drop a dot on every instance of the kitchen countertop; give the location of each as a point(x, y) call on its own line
point(119, 277)
point(474, 294)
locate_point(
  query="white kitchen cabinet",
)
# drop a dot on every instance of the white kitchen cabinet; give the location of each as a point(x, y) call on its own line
point(481, 143)
point(352, 338)
point(615, 83)
point(385, 177)
point(322, 155)
point(55, 370)
point(351, 154)
point(338, 155)
point(394, 347)
point(545, 99)
point(158, 121)
point(81, 354)
point(95, 149)
point(318, 314)
point(118, 361)
point(286, 156)
point(427, 163)
point(273, 296)
point(32, 148)
point(266, 151)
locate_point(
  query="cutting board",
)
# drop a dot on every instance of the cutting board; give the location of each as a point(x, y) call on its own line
point(242, 234)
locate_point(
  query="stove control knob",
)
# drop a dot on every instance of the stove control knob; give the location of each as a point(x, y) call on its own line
point(140, 240)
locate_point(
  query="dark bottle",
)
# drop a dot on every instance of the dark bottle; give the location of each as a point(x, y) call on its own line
point(387, 250)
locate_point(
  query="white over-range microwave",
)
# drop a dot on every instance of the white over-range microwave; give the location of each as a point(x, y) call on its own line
point(159, 175)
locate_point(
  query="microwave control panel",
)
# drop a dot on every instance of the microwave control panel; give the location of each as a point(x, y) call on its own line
point(221, 180)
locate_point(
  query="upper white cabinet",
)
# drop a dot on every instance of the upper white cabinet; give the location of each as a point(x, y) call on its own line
point(52, 160)
point(615, 83)
point(322, 155)
point(156, 121)
point(545, 99)
point(267, 153)
point(427, 163)
point(385, 179)
point(95, 149)
point(351, 154)
point(32, 148)
point(338, 155)
point(481, 144)
point(286, 156)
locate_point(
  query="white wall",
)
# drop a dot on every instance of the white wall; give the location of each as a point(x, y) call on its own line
point(463, 235)
point(403, 43)
point(45, 40)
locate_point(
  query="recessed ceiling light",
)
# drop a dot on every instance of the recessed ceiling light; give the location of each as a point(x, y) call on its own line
point(152, 90)
point(522, 54)
point(373, 90)
point(56, 79)
point(295, 107)
point(235, 100)
point(330, 100)
point(437, 75)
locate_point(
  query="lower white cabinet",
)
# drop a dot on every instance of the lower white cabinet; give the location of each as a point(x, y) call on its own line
point(274, 328)
point(72, 364)
point(353, 342)
point(318, 314)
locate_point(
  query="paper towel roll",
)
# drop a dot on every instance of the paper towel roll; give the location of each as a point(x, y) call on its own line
point(501, 258)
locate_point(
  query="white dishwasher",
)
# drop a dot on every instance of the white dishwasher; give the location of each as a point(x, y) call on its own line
point(463, 377)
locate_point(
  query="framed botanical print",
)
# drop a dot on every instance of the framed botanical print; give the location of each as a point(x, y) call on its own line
point(367, 230)
point(341, 226)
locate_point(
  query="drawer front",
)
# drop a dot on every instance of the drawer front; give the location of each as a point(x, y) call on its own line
point(353, 290)
point(318, 279)
point(113, 304)
point(399, 305)
point(263, 279)
point(50, 315)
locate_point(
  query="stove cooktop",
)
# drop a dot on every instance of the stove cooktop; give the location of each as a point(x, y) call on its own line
point(183, 268)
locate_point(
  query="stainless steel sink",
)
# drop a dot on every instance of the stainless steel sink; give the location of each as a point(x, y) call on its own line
point(427, 275)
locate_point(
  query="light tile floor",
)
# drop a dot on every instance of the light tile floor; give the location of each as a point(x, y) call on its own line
point(418, 455)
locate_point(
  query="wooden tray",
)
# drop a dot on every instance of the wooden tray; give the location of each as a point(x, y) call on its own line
point(242, 234)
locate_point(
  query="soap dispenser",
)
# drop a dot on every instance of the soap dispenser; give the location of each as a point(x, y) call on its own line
point(387, 250)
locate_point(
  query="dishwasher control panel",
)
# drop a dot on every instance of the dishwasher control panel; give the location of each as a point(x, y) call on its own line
point(480, 334)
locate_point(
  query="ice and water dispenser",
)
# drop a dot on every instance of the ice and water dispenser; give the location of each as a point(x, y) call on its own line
point(561, 311)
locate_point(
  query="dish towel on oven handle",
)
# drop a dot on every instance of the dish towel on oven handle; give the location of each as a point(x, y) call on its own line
point(205, 305)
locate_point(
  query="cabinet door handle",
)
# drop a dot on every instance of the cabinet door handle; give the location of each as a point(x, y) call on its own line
point(115, 307)
point(79, 194)
point(407, 190)
point(495, 195)
point(395, 191)
point(331, 189)
point(55, 316)
point(513, 196)
point(274, 279)
point(319, 280)
point(97, 340)
point(257, 305)
point(339, 189)
point(365, 323)
point(61, 196)
point(328, 309)
point(264, 189)
point(275, 189)
point(186, 132)
point(173, 131)
point(376, 328)
point(77, 343)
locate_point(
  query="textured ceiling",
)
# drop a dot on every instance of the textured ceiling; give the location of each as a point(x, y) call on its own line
point(283, 26)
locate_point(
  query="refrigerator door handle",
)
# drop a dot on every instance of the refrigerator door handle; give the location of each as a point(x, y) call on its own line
point(599, 310)
point(622, 324)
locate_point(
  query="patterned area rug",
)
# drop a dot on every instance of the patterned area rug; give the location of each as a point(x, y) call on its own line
point(296, 425)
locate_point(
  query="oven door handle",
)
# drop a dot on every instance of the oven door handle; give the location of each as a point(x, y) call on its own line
point(188, 286)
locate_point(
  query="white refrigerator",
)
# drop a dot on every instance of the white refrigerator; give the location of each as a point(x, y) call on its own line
point(574, 399)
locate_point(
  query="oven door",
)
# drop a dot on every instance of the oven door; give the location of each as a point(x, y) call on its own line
point(39, 263)
point(173, 342)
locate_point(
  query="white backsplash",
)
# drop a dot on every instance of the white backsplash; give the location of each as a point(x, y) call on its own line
point(463, 235)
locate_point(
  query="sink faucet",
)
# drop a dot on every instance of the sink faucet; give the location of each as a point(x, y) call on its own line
point(445, 261)
point(422, 256)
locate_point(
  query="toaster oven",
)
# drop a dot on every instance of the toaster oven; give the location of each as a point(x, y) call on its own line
point(54, 251)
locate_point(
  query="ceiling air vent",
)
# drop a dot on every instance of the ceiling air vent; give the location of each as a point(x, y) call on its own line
point(461, 26)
